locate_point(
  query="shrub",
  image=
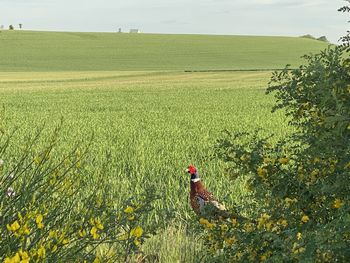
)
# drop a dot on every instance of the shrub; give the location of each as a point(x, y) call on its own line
point(301, 184)
point(48, 212)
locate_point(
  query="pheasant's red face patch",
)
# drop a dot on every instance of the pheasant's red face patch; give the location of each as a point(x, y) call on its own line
point(192, 169)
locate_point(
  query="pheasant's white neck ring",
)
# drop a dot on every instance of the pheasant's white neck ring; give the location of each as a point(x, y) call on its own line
point(195, 180)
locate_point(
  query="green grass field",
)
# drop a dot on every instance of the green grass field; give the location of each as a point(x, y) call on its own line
point(149, 118)
point(49, 51)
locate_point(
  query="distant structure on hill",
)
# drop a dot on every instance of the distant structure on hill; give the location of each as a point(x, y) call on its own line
point(134, 30)
point(120, 30)
point(322, 38)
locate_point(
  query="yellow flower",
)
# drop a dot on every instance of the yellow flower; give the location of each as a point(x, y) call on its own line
point(248, 227)
point(24, 255)
point(261, 172)
point(52, 234)
point(39, 221)
point(123, 237)
point(337, 203)
point(299, 236)
point(263, 258)
point(299, 250)
point(224, 227)
point(129, 210)
point(203, 221)
point(243, 157)
point(65, 241)
point(284, 223)
point(230, 241)
point(93, 232)
point(82, 233)
point(131, 218)
point(137, 242)
point(97, 260)
point(25, 230)
point(269, 225)
point(283, 160)
point(234, 221)
point(14, 226)
point(41, 252)
point(137, 231)
point(15, 259)
point(98, 224)
point(269, 160)
point(305, 219)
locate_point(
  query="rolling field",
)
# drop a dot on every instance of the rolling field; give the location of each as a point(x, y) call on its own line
point(149, 118)
point(61, 51)
point(149, 124)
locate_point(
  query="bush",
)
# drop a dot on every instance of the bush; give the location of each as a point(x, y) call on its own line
point(48, 212)
point(301, 184)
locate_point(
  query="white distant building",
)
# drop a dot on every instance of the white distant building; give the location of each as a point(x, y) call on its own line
point(134, 30)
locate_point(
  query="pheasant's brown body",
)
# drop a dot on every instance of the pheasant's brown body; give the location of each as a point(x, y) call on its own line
point(203, 202)
point(198, 193)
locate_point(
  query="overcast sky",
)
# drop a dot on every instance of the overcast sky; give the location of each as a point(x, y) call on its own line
point(232, 17)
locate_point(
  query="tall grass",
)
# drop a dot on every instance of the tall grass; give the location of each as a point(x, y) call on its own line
point(147, 128)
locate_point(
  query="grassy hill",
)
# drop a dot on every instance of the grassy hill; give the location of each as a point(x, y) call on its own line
point(63, 51)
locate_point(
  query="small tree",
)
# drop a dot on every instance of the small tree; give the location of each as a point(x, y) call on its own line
point(11, 27)
point(301, 184)
point(20, 26)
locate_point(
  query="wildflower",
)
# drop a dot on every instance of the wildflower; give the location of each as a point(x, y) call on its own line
point(283, 222)
point(16, 258)
point(269, 160)
point(261, 172)
point(234, 221)
point(137, 242)
point(299, 236)
point(65, 241)
point(248, 227)
point(137, 231)
point(39, 221)
point(337, 203)
point(82, 233)
point(305, 219)
point(97, 260)
point(224, 227)
point(203, 221)
point(129, 210)
point(283, 160)
point(14, 226)
point(123, 237)
point(93, 232)
point(10, 192)
point(41, 252)
point(230, 241)
point(25, 230)
point(299, 250)
point(131, 218)
point(263, 258)
point(98, 224)
point(262, 220)
point(52, 234)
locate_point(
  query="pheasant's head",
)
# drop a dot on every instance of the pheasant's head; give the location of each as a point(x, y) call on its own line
point(193, 172)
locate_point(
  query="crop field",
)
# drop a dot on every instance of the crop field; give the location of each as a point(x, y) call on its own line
point(61, 51)
point(146, 118)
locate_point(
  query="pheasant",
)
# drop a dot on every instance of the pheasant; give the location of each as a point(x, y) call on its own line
point(202, 201)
